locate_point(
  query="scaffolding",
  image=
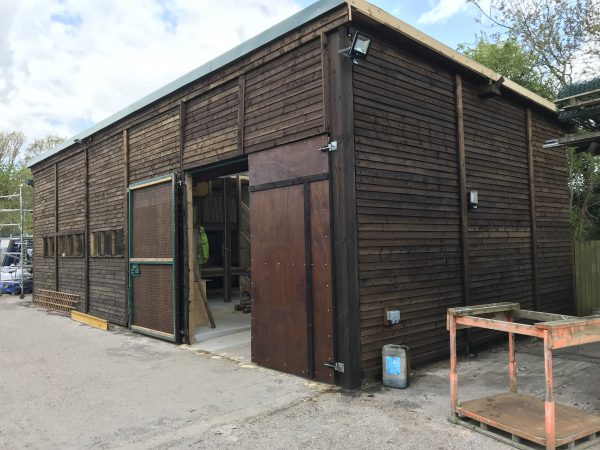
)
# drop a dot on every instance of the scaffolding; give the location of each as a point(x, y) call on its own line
point(24, 243)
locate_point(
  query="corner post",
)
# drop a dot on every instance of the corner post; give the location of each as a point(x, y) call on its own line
point(338, 94)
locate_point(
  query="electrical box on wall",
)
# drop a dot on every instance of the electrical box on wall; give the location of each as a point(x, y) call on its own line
point(391, 316)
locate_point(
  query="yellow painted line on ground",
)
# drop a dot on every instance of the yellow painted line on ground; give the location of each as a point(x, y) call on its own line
point(95, 322)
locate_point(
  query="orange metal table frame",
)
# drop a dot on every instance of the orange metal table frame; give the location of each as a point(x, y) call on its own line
point(517, 415)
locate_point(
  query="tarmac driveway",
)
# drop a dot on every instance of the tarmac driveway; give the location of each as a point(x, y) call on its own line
point(67, 385)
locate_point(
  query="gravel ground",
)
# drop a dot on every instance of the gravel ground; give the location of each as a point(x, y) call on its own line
point(66, 385)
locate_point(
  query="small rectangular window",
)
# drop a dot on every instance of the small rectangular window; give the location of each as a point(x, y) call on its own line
point(48, 242)
point(108, 243)
point(70, 245)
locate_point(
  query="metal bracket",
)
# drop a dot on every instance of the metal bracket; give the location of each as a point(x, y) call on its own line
point(331, 147)
point(337, 366)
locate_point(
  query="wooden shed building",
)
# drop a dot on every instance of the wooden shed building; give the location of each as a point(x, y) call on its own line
point(342, 187)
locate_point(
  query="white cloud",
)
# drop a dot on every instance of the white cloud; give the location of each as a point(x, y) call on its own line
point(65, 64)
point(442, 11)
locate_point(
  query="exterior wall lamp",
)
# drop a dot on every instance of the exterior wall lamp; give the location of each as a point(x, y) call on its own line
point(359, 48)
point(473, 199)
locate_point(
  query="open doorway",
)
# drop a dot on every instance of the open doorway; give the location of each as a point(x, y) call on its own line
point(220, 305)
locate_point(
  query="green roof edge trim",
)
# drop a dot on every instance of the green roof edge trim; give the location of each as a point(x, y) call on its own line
point(286, 26)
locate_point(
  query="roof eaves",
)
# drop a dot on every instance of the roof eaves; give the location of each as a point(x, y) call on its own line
point(412, 33)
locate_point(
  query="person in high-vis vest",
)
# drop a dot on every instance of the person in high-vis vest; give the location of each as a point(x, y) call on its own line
point(203, 248)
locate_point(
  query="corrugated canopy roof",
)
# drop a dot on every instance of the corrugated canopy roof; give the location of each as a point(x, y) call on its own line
point(297, 20)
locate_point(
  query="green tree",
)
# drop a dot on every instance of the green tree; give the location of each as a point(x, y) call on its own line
point(562, 35)
point(510, 60)
point(14, 156)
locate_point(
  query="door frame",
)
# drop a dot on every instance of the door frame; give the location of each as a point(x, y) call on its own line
point(136, 262)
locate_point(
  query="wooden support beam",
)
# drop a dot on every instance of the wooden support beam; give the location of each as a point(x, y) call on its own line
point(532, 211)
point(462, 185)
point(344, 216)
point(125, 143)
point(241, 113)
point(181, 135)
point(86, 250)
point(55, 226)
point(226, 244)
point(325, 77)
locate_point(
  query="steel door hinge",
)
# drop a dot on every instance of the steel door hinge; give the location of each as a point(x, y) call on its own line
point(337, 366)
point(183, 332)
point(331, 147)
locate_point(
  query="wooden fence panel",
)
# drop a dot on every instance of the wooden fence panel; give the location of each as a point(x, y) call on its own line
point(587, 276)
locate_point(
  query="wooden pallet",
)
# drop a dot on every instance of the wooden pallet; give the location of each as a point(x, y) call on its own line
point(518, 420)
point(55, 301)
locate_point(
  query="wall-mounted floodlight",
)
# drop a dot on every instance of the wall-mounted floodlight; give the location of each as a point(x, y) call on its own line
point(473, 199)
point(359, 48)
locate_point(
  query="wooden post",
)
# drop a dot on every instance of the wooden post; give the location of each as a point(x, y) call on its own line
point(549, 403)
point(55, 227)
point(325, 76)
point(241, 112)
point(462, 183)
point(181, 136)
point(343, 212)
point(532, 211)
point(462, 186)
point(125, 144)
point(86, 243)
point(226, 245)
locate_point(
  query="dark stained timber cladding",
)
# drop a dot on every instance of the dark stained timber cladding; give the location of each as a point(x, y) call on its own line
point(154, 147)
point(43, 216)
point(284, 99)
point(108, 281)
point(554, 242)
point(108, 285)
point(106, 189)
point(71, 218)
point(500, 257)
point(407, 202)
point(211, 125)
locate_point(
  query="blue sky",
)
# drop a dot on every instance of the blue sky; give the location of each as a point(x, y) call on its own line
point(458, 27)
point(67, 64)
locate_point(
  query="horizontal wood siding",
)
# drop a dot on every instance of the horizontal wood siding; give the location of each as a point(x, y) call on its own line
point(407, 201)
point(500, 258)
point(554, 241)
point(284, 99)
point(211, 113)
point(154, 147)
point(107, 282)
point(211, 126)
point(108, 289)
point(71, 218)
point(43, 224)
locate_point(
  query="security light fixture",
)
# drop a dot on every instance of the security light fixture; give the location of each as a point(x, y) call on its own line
point(473, 199)
point(359, 48)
